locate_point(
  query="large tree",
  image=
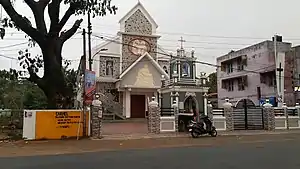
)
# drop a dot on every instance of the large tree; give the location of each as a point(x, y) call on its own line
point(212, 83)
point(51, 39)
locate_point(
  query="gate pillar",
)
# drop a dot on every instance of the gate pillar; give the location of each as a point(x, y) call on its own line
point(210, 111)
point(154, 117)
point(228, 113)
point(269, 116)
point(96, 119)
point(176, 114)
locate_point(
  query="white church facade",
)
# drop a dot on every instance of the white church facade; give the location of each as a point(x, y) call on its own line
point(128, 67)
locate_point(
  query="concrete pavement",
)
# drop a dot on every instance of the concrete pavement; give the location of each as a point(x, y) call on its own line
point(230, 152)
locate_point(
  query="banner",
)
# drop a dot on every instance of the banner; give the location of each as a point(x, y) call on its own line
point(90, 86)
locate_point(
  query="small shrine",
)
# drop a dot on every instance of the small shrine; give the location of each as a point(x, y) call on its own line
point(184, 88)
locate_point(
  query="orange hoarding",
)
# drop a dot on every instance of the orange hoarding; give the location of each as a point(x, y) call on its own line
point(59, 124)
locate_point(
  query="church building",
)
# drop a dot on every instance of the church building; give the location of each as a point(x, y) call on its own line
point(129, 67)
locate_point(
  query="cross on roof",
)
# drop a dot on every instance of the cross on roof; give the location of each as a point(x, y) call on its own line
point(181, 42)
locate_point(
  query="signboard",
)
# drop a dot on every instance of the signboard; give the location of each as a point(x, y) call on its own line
point(59, 124)
point(297, 89)
point(90, 86)
point(272, 101)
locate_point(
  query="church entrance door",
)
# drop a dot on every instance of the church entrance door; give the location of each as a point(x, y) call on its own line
point(138, 106)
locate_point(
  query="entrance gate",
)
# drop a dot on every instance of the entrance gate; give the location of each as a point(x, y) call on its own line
point(247, 117)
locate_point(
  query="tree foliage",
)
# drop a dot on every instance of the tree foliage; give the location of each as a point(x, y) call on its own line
point(50, 39)
point(19, 93)
point(213, 85)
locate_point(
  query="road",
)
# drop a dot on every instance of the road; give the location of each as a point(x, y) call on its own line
point(261, 153)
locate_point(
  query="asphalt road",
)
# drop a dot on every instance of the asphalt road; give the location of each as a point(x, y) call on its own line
point(272, 154)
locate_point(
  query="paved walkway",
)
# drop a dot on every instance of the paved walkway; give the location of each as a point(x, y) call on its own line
point(172, 135)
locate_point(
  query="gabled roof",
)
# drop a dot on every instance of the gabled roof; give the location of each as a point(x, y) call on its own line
point(154, 63)
point(140, 6)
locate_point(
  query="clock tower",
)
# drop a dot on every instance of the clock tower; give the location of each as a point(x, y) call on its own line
point(138, 36)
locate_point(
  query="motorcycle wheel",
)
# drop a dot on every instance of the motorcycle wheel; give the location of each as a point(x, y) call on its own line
point(214, 133)
point(194, 134)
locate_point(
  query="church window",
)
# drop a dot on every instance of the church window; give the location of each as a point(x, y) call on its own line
point(109, 68)
point(186, 70)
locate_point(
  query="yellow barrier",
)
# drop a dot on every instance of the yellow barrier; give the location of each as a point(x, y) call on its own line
point(59, 124)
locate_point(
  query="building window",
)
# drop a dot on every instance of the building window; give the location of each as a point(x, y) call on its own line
point(271, 79)
point(241, 84)
point(166, 69)
point(229, 68)
point(240, 64)
point(262, 79)
point(223, 67)
point(230, 85)
point(109, 68)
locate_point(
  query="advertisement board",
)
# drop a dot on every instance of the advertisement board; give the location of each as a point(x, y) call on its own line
point(59, 124)
point(90, 86)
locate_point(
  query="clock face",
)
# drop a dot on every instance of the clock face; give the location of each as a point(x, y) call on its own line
point(139, 46)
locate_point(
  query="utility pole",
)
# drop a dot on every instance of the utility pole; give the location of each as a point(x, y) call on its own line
point(278, 73)
point(83, 93)
point(89, 40)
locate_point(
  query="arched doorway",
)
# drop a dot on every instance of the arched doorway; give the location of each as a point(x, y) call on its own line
point(190, 103)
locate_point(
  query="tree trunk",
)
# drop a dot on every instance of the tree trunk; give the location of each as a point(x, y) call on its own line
point(54, 84)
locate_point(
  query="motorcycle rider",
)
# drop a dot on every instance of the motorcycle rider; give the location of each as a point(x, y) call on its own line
point(207, 122)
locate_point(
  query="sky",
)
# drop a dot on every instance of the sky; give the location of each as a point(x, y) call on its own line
point(211, 27)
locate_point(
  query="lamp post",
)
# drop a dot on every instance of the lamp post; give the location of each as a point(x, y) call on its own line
point(89, 38)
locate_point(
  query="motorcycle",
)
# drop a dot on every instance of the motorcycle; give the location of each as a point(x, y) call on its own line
point(203, 127)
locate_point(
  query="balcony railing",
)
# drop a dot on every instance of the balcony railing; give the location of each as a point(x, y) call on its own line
point(184, 81)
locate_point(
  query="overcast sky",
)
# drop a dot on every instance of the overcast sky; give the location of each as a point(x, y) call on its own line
point(212, 27)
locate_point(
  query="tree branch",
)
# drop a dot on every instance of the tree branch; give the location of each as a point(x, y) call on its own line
point(69, 33)
point(65, 18)
point(38, 9)
point(30, 3)
point(21, 22)
point(44, 3)
point(53, 11)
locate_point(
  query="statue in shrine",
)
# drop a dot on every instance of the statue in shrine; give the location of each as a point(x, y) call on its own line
point(144, 77)
point(109, 68)
point(185, 69)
